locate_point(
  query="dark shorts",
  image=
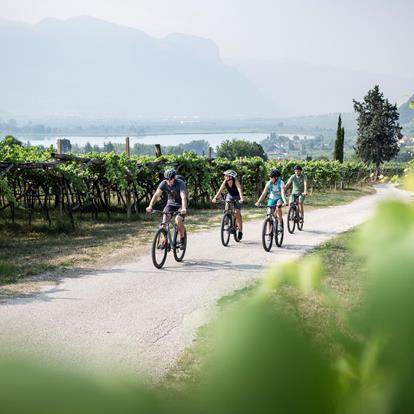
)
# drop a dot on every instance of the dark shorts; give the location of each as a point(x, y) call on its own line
point(170, 208)
point(236, 200)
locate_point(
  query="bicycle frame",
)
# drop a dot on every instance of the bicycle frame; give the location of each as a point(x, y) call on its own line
point(172, 240)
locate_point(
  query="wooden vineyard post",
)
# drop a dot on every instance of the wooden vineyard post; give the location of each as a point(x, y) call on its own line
point(158, 152)
point(59, 147)
point(60, 194)
point(127, 147)
point(128, 191)
point(210, 153)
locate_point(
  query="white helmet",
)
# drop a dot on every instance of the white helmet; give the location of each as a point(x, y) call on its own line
point(230, 173)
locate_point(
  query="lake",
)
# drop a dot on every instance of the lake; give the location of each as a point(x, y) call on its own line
point(213, 139)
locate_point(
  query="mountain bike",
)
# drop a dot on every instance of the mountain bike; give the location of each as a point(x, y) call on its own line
point(294, 218)
point(165, 240)
point(228, 223)
point(271, 229)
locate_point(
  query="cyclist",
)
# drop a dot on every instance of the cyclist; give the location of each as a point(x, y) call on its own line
point(275, 188)
point(299, 184)
point(234, 193)
point(176, 191)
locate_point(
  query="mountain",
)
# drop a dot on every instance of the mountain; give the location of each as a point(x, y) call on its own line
point(406, 112)
point(301, 88)
point(88, 67)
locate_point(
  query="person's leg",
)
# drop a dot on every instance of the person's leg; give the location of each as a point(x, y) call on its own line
point(279, 214)
point(301, 209)
point(179, 220)
point(239, 220)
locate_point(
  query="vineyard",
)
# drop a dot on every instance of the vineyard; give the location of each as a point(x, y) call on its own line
point(37, 182)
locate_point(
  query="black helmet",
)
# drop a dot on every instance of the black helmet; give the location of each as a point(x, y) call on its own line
point(275, 173)
point(297, 167)
point(170, 174)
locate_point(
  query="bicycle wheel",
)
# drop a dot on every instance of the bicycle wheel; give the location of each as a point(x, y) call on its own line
point(299, 222)
point(280, 231)
point(291, 219)
point(226, 225)
point(179, 249)
point(159, 248)
point(267, 234)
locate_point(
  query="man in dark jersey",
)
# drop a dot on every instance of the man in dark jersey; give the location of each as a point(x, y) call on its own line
point(176, 191)
point(234, 193)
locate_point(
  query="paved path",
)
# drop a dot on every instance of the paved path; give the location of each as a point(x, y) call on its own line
point(139, 319)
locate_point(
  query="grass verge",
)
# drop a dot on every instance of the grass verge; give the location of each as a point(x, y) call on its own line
point(344, 271)
point(41, 248)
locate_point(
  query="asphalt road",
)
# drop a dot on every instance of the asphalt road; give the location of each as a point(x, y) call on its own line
point(137, 319)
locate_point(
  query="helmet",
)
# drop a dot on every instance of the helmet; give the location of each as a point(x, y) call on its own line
point(230, 173)
point(170, 174)
point(297, 167)
point(275, 173)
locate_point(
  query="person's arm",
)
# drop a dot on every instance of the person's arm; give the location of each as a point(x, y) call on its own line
point(288, 184)
point(305, 182)
point(154, 199)
point(282, 192)
point(219, 191)
point(262, 197)
point(239, 187)
point(183, 195)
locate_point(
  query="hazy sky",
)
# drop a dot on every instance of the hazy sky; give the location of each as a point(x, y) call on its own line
point(369, 35)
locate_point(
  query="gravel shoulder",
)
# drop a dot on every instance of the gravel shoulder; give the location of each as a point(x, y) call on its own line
point(132, 318)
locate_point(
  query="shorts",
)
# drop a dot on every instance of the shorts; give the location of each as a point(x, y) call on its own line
point(236, 200)
point(301, 198)
point(273, 202)
point(171, 208)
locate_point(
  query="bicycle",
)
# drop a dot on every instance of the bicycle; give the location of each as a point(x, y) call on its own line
point(294, 218)
point(228, 223)
point(165, 242)
point(271, 229)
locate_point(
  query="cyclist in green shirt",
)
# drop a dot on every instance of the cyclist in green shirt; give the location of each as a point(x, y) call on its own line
point(299, 184)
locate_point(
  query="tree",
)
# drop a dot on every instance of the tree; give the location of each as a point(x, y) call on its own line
point(378, 129)
point(88, 147)
point(108, 147)
point(10, 140)
point(339, 142)
point(66, 145)
point(240, 148)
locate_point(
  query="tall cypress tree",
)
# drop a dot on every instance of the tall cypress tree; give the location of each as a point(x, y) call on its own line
point(342, 144)
point(339, 142)
point(378, 129)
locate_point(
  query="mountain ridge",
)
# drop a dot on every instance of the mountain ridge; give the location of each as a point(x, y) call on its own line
point(90, 67)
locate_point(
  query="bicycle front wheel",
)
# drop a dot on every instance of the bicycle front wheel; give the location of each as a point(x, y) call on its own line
point(226, 226)
point(159, 248)
point(280, 229)
point(267, 234)
point(180, 248)
point(291, 220)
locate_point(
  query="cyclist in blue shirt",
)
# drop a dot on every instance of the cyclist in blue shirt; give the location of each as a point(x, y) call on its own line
point(274, 187)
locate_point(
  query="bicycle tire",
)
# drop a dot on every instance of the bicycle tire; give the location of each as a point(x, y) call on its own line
point(226, 225)
point(291, 220)
point(279, 234)
point(267, 236)
point(177, 251)
point(159, 245)
point(300, 222)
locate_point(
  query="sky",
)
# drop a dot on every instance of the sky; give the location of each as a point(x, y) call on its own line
point(366, 35)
